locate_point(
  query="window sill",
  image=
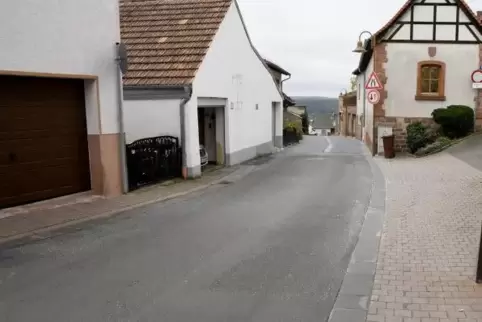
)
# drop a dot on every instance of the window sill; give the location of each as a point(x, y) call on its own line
point(429, 98)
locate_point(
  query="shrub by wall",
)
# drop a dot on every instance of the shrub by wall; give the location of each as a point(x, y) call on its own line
point(418, 136)
point(455, 121)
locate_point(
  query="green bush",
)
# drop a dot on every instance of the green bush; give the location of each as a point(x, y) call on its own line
point(455, 121)
point(418, 136)
point(300, 135)
point(438, 145)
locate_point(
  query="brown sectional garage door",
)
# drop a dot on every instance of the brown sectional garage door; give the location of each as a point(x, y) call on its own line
point(43, 139)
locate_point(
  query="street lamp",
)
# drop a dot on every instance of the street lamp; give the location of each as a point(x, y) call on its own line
point(360, 48)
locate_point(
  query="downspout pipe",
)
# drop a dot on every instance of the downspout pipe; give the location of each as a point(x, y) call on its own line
point(182, 110)
point(122, 137)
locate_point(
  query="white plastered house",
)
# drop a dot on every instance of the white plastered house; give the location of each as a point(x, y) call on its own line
point(424, 57)
point(59, 100)
point(194, 74)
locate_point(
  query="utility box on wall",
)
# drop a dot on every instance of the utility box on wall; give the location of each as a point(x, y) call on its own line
point(383, 131)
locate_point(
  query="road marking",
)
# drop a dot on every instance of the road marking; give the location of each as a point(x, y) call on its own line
point(330, 146)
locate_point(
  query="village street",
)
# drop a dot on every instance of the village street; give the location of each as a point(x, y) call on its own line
point(273, 245)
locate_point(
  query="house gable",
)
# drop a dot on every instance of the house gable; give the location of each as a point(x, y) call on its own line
point(232, 63)
point(432, 21)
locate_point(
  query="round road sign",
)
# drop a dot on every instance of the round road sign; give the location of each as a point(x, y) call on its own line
point(373, 96)
point(476, 76)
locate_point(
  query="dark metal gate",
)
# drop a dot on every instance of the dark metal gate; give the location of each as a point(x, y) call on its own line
point(290, 137)
point(152, 160)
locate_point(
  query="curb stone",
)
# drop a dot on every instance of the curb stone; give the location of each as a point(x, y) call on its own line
point(351, 304)
point(36, 234)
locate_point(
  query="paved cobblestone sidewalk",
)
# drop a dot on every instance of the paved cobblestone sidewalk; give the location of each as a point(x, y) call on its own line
point(427, 257)
point(36, 222)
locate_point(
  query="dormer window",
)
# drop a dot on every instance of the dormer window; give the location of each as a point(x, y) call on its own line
point(430, 81)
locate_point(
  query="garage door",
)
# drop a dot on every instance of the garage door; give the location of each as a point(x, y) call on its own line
point(43, 139)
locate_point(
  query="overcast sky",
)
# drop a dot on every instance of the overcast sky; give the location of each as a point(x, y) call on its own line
point(314, 39)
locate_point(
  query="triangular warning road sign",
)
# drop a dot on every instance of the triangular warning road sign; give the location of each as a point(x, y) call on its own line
point(373, 82)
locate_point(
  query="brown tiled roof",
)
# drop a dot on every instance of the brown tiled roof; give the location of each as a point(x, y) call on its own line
point(167, 40)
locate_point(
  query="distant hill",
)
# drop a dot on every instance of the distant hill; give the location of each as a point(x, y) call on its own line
point(317, 104)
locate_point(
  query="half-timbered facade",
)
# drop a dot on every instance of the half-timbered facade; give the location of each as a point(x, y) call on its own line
point(424, 57)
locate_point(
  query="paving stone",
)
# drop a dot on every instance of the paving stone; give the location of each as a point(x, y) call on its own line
point(429, 243)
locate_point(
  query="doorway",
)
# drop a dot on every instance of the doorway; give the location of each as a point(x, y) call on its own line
point(211, 135)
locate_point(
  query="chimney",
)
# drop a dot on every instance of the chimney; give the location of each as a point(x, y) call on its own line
point(479, 16)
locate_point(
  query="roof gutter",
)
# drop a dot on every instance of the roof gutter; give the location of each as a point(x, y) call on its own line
point(154, 92)
point(187, 94)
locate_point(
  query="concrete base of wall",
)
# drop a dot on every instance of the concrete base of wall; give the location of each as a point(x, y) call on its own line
point(105, 164)
point(249, 153)
point(193, 172)
point(278, 141)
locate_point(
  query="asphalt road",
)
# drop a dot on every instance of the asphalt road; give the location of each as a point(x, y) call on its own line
point(272, 245)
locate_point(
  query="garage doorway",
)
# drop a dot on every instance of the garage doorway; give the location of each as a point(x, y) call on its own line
point(211, 133)
point(43, 139)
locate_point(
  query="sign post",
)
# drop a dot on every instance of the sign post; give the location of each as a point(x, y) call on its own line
point(478, 273)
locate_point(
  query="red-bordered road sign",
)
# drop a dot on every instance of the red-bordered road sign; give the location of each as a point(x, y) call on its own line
point(373, 82)
point(373, 96)
point(476, 76)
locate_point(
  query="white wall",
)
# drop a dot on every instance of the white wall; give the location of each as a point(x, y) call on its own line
point(361, 80)
point(65, 37)
point(149, 118)
point(232, 70)
point(360, 91)
point(401, 69)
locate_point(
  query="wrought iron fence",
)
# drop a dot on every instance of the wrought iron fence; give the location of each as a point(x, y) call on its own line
point(290, 137)
point(153, 160)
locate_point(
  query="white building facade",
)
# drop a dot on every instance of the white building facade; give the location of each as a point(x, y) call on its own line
point(424, 57)
point(231, 104)
point(59, 98)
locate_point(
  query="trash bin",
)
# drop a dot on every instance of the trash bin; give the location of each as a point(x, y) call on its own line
point(389, 146)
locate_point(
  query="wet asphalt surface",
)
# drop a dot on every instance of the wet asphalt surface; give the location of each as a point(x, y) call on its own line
point(272, 245)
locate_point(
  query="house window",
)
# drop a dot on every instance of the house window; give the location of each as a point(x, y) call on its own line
point(430, 81)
